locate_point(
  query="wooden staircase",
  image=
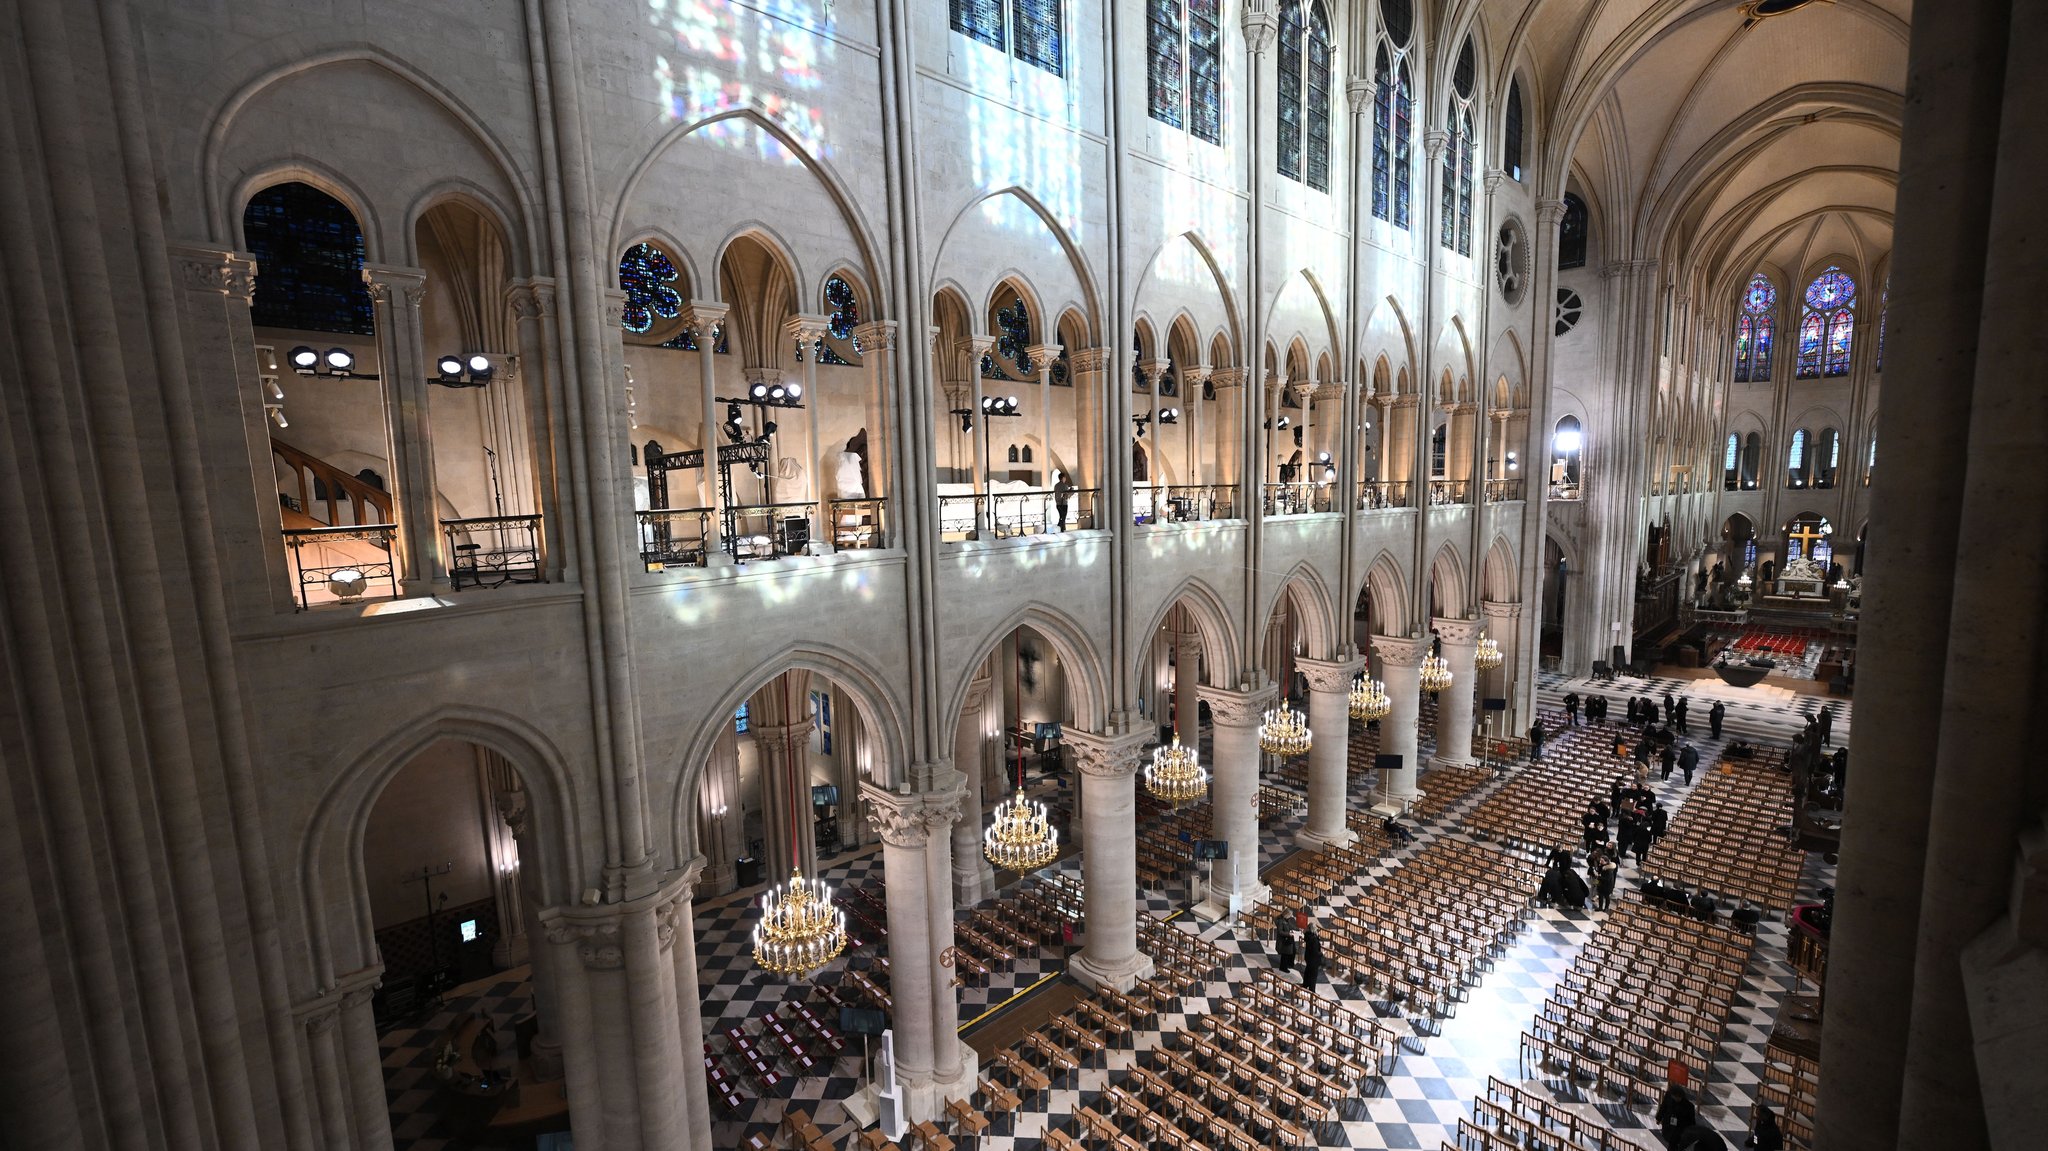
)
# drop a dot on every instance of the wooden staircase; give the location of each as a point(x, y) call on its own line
point(319, 486)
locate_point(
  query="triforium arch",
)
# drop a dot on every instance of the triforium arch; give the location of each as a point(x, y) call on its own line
point(1308, 600)
point(1211, 619)
point(1502, 577)
point(1447, 583)
point(1087, 700)
point(1385, 589)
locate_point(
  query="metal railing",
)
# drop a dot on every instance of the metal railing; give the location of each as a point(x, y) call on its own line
point(1183, 504)
point(1299, 498)
point(673, 537)
point(858, 525)
point(343, 564)
point(1013, 514)
point(766, 531)
point(1446, 492)
point(1564, 491)
point(959, 517)
point(1377, 495)
point(493, 551)
point(1501, 491)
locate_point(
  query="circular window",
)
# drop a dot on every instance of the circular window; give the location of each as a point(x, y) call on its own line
point(1569, 308)
point(1511, 261)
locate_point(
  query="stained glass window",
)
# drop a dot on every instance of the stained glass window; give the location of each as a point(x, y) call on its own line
point(1464, 146)
point(1038, 40)
point(1728, 462)
point(687, 340)
point(1291, 29)
point(1404, 114)
point(1511, 136)
point(1205, 70)
point(309, 262)
point(1317, 173)
point(980, 20)
point(1164, 59)
point(648, 277)
point(1753, 330)
point(844, 318)
point(1795, 460)
point(1827, 325)
point(1398, 19)
point(1382, 133)
point(1010, 360)
point(1571, 234)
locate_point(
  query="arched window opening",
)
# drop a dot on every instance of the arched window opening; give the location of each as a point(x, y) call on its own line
point(1810, 537)
point(1827, 324)
point(1455, 226)
point(1754, 329)
point(1304, 105)
point(1567, 442)
point(1511, 136)
point(843, 308)
point(1870, 462)
point(1571, 234)
point(1393, 111)
point(1010, 359)
point(1752, 460)
point(309, 262)
point(1439, 451)
point(1796, 461)
point(1027, 29)
point(1184, 44)
point(1827, 457)
point(1730, 464)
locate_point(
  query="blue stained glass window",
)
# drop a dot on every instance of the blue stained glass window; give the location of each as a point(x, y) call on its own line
point(1382, 133)
point(1728, 462)
point(648, 277)
point(1316, 165)
point(844, 317)
point(1164, 59)
point(1511, 133)
point(1013, 338)
point(1571, 234)
point(1753, 330)
point(1404, 114)
point(979, 20)
point(1398, 19)
point(1827, 325)
point(1205, 70)
point(1038, 41)
point(309, 262)
point(1291, 29)
point(687, 340)
point(740, 721)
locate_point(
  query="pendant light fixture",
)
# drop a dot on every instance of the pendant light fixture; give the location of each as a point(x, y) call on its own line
point(800, 931)
point(1021, 838)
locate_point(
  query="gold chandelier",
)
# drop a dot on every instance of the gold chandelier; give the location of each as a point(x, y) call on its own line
point(1176, 774)
point(800, 931)
point(1487, 656)
point(1369, 700)
point(1436, 674)
point(1021, 838)
point(1285, 732)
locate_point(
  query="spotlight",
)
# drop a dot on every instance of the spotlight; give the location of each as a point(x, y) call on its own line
point(1322, 457)
point(759, 392)
point(1285, 423)
point(451, 369)
point(340, 361)
point(966, 420)
point(776, 394)
point(479, 365)
point(305, 360)
point(796, 392)
point(732, 413)
point(768, 429)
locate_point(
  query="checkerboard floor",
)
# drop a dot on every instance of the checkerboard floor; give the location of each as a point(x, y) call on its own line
point(1444, 1063)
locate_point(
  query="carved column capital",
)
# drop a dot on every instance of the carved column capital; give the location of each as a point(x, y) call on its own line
point(1493, 178)
point(1400, 651)
point(701, 316)
point(1261, 25)
point(806, 327)
point(1360, 93)
point(1434, 142)
point(875, 336)
point(1105, 756)
point(1550, 212)
point(1088, 359)
point(1231, 708)
point(1495, 610)
point(1224, 379)
point(1458, 632)
point(910, 820)
point(1151, 371)
point(1043, 356)
point(1330, 674)
point(1194, 377)
point(216, 270)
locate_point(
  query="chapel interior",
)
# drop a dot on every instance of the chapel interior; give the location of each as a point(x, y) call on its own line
point(1023, 575)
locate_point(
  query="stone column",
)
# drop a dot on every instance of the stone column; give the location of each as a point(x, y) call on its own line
point(546, 1061)
point(973, 879)
point(1329, 756)
point(357, 1033)
point(1503, 623)
point(679, 936)
point(1043, 356)
point(914, 972)
point(1401, 665)
point(1229, 451)
point(1109, 859)
point(1454, 705)
point(1234, 775)
point(1192, 382)
point(954, 1064)
point(704, 319)
point(969, 352)
point(1305, 395)
point(495, 779)
point(807, 330)
point(1187, 679)
point(786, 830)
point(329, 1073)
point(395, 294)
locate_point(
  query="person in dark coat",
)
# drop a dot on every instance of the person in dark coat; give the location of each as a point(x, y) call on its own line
point(1702, 905)
point(1660, 822)
point(1283, 949)
point(1669, 759)
point(1679, 715)
point(1763, 1133)
point(1592, 828)
point(1536, 740)
point(1688, 761)
point(1643, 751)
point(1715, 715)
point(1675, 1112)
point(1670, 707)
point(1604, 869)
point(1311, 958)
point(1571, 708)
point(1615, 792)
point(1631, 710)
point(1827, 724)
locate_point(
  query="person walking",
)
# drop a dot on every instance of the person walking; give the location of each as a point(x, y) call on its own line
point(1311, 958)
point(1669, 759)
point(1715, 715)
point(1670, 707)
point(1536, 740)
point(1571, 708)
point(1604, 871)
point(1688, 762)
point(1679, 713)
point(1660, 822)
point(1827, 724)
point(1062, 494)
point(1283, 949)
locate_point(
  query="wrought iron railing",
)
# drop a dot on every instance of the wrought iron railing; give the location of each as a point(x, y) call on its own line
point(1297, 499)
point(1501, 491)
point(858, 525)
point(1377, 495)
point(765, 531)
point(673, 537)
point(959, 517)
point(1446, 492)
point(1183, 504)
point(1014, 514)
point(343, 564)
point(493, 551)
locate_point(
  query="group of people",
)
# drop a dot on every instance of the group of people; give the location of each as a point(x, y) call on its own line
point(1311, 951)
point(1643, 710)
point(1678, 1120)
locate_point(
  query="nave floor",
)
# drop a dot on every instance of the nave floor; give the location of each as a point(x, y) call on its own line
point(1443, 1065)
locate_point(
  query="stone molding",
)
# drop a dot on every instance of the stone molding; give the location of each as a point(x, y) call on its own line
point(216, 270)
point(1106, 756)
point(702, 316)
point(1494, 609)
point(1550, 213)
point(1360, 94)
point(1229, 708)
point(911, 819)
point(1458, 632)
point(1261, 25)
point(1400, 651)
point(1226, 378)
point(876, 336)
point(1088, 359)
point(1043, 356)
point(1328, 675)
point(806, 326)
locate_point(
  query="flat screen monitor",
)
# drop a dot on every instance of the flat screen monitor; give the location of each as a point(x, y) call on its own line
point(1212, 849)
point(862, 1021)
point(825, 795)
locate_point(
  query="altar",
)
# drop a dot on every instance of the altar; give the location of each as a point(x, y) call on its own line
point(1801, 577)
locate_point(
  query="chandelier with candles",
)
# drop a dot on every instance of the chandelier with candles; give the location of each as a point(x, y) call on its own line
point(1436, 674)
point(1021, 838)
point(1369, 700)
point(1285, 732)
point(1487, 656)
point(1176, 774)
point(800, 931)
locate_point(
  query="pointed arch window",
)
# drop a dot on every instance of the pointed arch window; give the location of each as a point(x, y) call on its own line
point(1511, 133)
point(1754, 329)
point(1184, 47)
point(309, 262)
point(1571, 234)
point(1392, 116)
point(1795, 460)
point(1028, 29)
point(1729, 462)
point(1305, 67)
point(843, 308)
point(1456, 221)
point(1827, 325)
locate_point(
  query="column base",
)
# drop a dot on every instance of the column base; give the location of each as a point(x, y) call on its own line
point(1216, 907)
point(510, 952)
point(974, 883)
point(925, 1095)
point(1116, 976)
point(1318, 840)
point(1436, 761)
point(545, 1062)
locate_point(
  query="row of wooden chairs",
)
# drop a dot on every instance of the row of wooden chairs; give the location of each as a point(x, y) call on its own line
point(1726, 838)
point(1541, 806)
point(1791, 1082)
point(1445, 786)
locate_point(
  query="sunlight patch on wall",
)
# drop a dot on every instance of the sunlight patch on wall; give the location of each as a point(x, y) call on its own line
point(728, 58)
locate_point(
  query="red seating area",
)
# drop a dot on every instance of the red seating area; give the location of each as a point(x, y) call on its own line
point(1779, 640)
